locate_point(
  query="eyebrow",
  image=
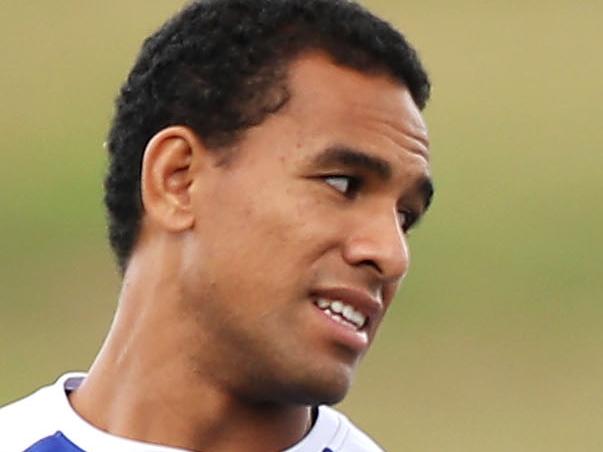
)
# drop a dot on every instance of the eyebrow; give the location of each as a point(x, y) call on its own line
point(345, 156)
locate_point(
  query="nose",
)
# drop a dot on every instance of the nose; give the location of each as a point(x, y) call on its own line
point(379, 242)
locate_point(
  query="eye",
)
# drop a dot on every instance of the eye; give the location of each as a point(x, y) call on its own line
point(406, 219)
point(349, 186)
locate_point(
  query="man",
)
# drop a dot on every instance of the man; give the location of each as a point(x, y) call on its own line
point(267, 159)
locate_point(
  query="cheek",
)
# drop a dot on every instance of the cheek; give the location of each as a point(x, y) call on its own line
point(389, 294)
point(282, 219)
point(406, 253)
point(253, 239)
point(265, 236)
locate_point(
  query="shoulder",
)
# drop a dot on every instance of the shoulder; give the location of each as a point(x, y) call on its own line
point(24, 422)
point(32, 418)
point(334, 432)
point(352, 438)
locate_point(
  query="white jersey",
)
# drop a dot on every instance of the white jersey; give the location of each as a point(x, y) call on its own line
point(46, 422)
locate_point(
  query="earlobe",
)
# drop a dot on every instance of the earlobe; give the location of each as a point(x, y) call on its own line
point(166, 178)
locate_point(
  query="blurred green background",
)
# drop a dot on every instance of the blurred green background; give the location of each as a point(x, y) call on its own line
point(495, 342)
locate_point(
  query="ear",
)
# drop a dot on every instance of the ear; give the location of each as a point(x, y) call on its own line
point(168, 171)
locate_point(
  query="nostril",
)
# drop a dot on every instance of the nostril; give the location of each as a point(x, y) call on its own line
point(372, 264)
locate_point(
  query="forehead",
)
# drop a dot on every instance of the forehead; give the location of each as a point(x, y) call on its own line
point(372, 110)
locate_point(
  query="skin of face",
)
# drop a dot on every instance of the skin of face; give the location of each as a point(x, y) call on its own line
point(217, 342)
point(298, 213)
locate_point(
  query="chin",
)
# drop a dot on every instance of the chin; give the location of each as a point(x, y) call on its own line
point(330, 396)
point(321, 387)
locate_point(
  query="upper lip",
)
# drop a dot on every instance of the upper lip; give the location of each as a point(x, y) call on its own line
point(359, 299)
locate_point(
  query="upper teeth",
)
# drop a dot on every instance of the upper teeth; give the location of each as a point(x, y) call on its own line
point(345, 310)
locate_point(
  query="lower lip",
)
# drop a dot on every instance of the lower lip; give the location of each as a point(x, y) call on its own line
point(344, 334)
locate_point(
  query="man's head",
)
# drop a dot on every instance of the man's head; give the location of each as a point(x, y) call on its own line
point(276, 150)
point(219, 67)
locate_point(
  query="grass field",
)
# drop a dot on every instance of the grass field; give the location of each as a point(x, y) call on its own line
point(496, 340)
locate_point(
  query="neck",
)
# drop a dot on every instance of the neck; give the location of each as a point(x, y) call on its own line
point(147, 385)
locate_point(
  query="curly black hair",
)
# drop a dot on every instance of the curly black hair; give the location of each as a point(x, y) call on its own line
point(219, 67)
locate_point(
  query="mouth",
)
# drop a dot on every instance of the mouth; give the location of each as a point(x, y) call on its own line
point(348, 315)
point(342, 313)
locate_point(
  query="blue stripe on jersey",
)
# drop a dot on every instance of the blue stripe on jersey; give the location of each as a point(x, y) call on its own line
point(55, 443)
point(59, 443)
